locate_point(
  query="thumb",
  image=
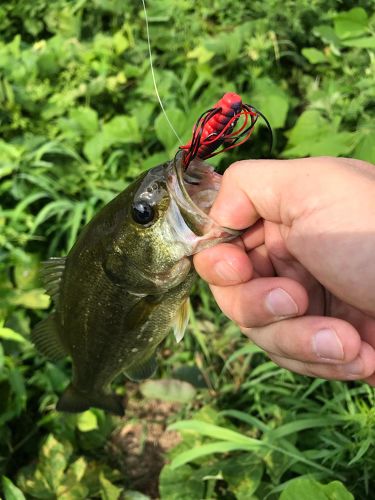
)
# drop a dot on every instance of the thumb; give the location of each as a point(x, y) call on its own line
point(274, 190)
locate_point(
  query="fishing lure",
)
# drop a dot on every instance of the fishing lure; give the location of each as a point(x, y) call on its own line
point(217, 126)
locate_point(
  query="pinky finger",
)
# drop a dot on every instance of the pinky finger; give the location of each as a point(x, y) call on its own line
point(361, 368)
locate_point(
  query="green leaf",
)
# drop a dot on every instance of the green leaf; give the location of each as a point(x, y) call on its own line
point(45, 480)
point(168, 390)
point(153, 160)
point(53, 461)
point(243, 473)
point(277, 463)
point(121, 129)
point(9, 334)
point(87, 421)
point(351, 23)
point(73, 486)
point(180, 484)
point(32, 299)
point(214, 431)
point(76, 471)
point(366, 42)
point(229, 44)
point(95, 147)
point(11, 492)
point(192, 375)
point(26, 272)
point(365, 149)
point(201, 54)
point(254, 422)
point(2, 358)
point(120, 42)
point(206, 450)
point(164, 132)
point(314, 135)
point(271, 100)
point(9, 157)
point(108, 491)
point(84, 121)
point(328, 35)
point(307, 489)
point(235, 441)
point(314, 56)
point(301, 424)
point(135, 495)
point(365, 445)
point(17, 383)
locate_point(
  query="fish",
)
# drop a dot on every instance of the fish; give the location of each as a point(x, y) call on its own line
point(126, 281)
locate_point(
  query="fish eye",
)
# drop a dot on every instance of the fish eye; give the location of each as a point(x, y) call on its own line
point(143, 213)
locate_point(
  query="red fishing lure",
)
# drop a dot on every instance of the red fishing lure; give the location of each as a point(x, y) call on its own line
point(216, 127)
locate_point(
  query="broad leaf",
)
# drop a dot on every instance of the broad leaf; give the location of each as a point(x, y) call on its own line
point(11, 492)
point(271, 100)
point(179, 484)
point(168, 390)
point(307, 489)
point(351, 23)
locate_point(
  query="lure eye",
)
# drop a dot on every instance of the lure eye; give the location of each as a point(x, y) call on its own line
point(143, 213)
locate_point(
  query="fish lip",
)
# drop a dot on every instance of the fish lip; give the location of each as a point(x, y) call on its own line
point(180, 194)
point(206, 231)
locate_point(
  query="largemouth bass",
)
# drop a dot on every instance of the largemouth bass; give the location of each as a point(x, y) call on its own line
point(126, 281)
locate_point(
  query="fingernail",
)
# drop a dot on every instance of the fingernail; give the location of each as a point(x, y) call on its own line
point(327, 345)
point(280, 303)
point(227, 272)
point(354, 367)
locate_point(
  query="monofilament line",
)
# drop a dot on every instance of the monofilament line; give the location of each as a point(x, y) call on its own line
point(153, 74)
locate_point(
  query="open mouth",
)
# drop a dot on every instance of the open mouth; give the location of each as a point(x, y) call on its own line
point(194, 190)
point(201, 184)
point(198, 184)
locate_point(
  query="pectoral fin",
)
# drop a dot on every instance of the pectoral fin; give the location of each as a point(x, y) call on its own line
point(46, 338)
point(182, 320)
point(142, 370)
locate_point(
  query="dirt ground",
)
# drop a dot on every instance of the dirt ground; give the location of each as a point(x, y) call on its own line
point(139, 446)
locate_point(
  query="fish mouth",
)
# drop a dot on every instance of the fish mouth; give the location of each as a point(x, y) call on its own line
point(193, 191)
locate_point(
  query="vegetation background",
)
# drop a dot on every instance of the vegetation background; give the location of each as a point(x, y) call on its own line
point(78, 121)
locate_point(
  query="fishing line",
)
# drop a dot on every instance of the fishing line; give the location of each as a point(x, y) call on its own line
point(153, 73)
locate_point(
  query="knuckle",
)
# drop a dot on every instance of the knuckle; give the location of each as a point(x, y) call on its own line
point(277, 360)
point(282, 343)
point(242, 315)
point(235, 169)
point(247, 331)
point(310, 370)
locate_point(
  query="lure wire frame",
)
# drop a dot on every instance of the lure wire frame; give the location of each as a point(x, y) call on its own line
point(226, 137)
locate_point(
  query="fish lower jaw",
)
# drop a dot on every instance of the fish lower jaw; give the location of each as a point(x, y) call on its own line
point(213, 237)
point(193, 193)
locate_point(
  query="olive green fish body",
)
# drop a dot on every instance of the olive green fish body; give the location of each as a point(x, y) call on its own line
point(123, 285)
point(108, 331)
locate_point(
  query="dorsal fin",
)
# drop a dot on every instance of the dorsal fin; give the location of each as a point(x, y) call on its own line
point(51, 274)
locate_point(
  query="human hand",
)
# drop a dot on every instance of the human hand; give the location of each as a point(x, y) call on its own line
point(300, 282)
